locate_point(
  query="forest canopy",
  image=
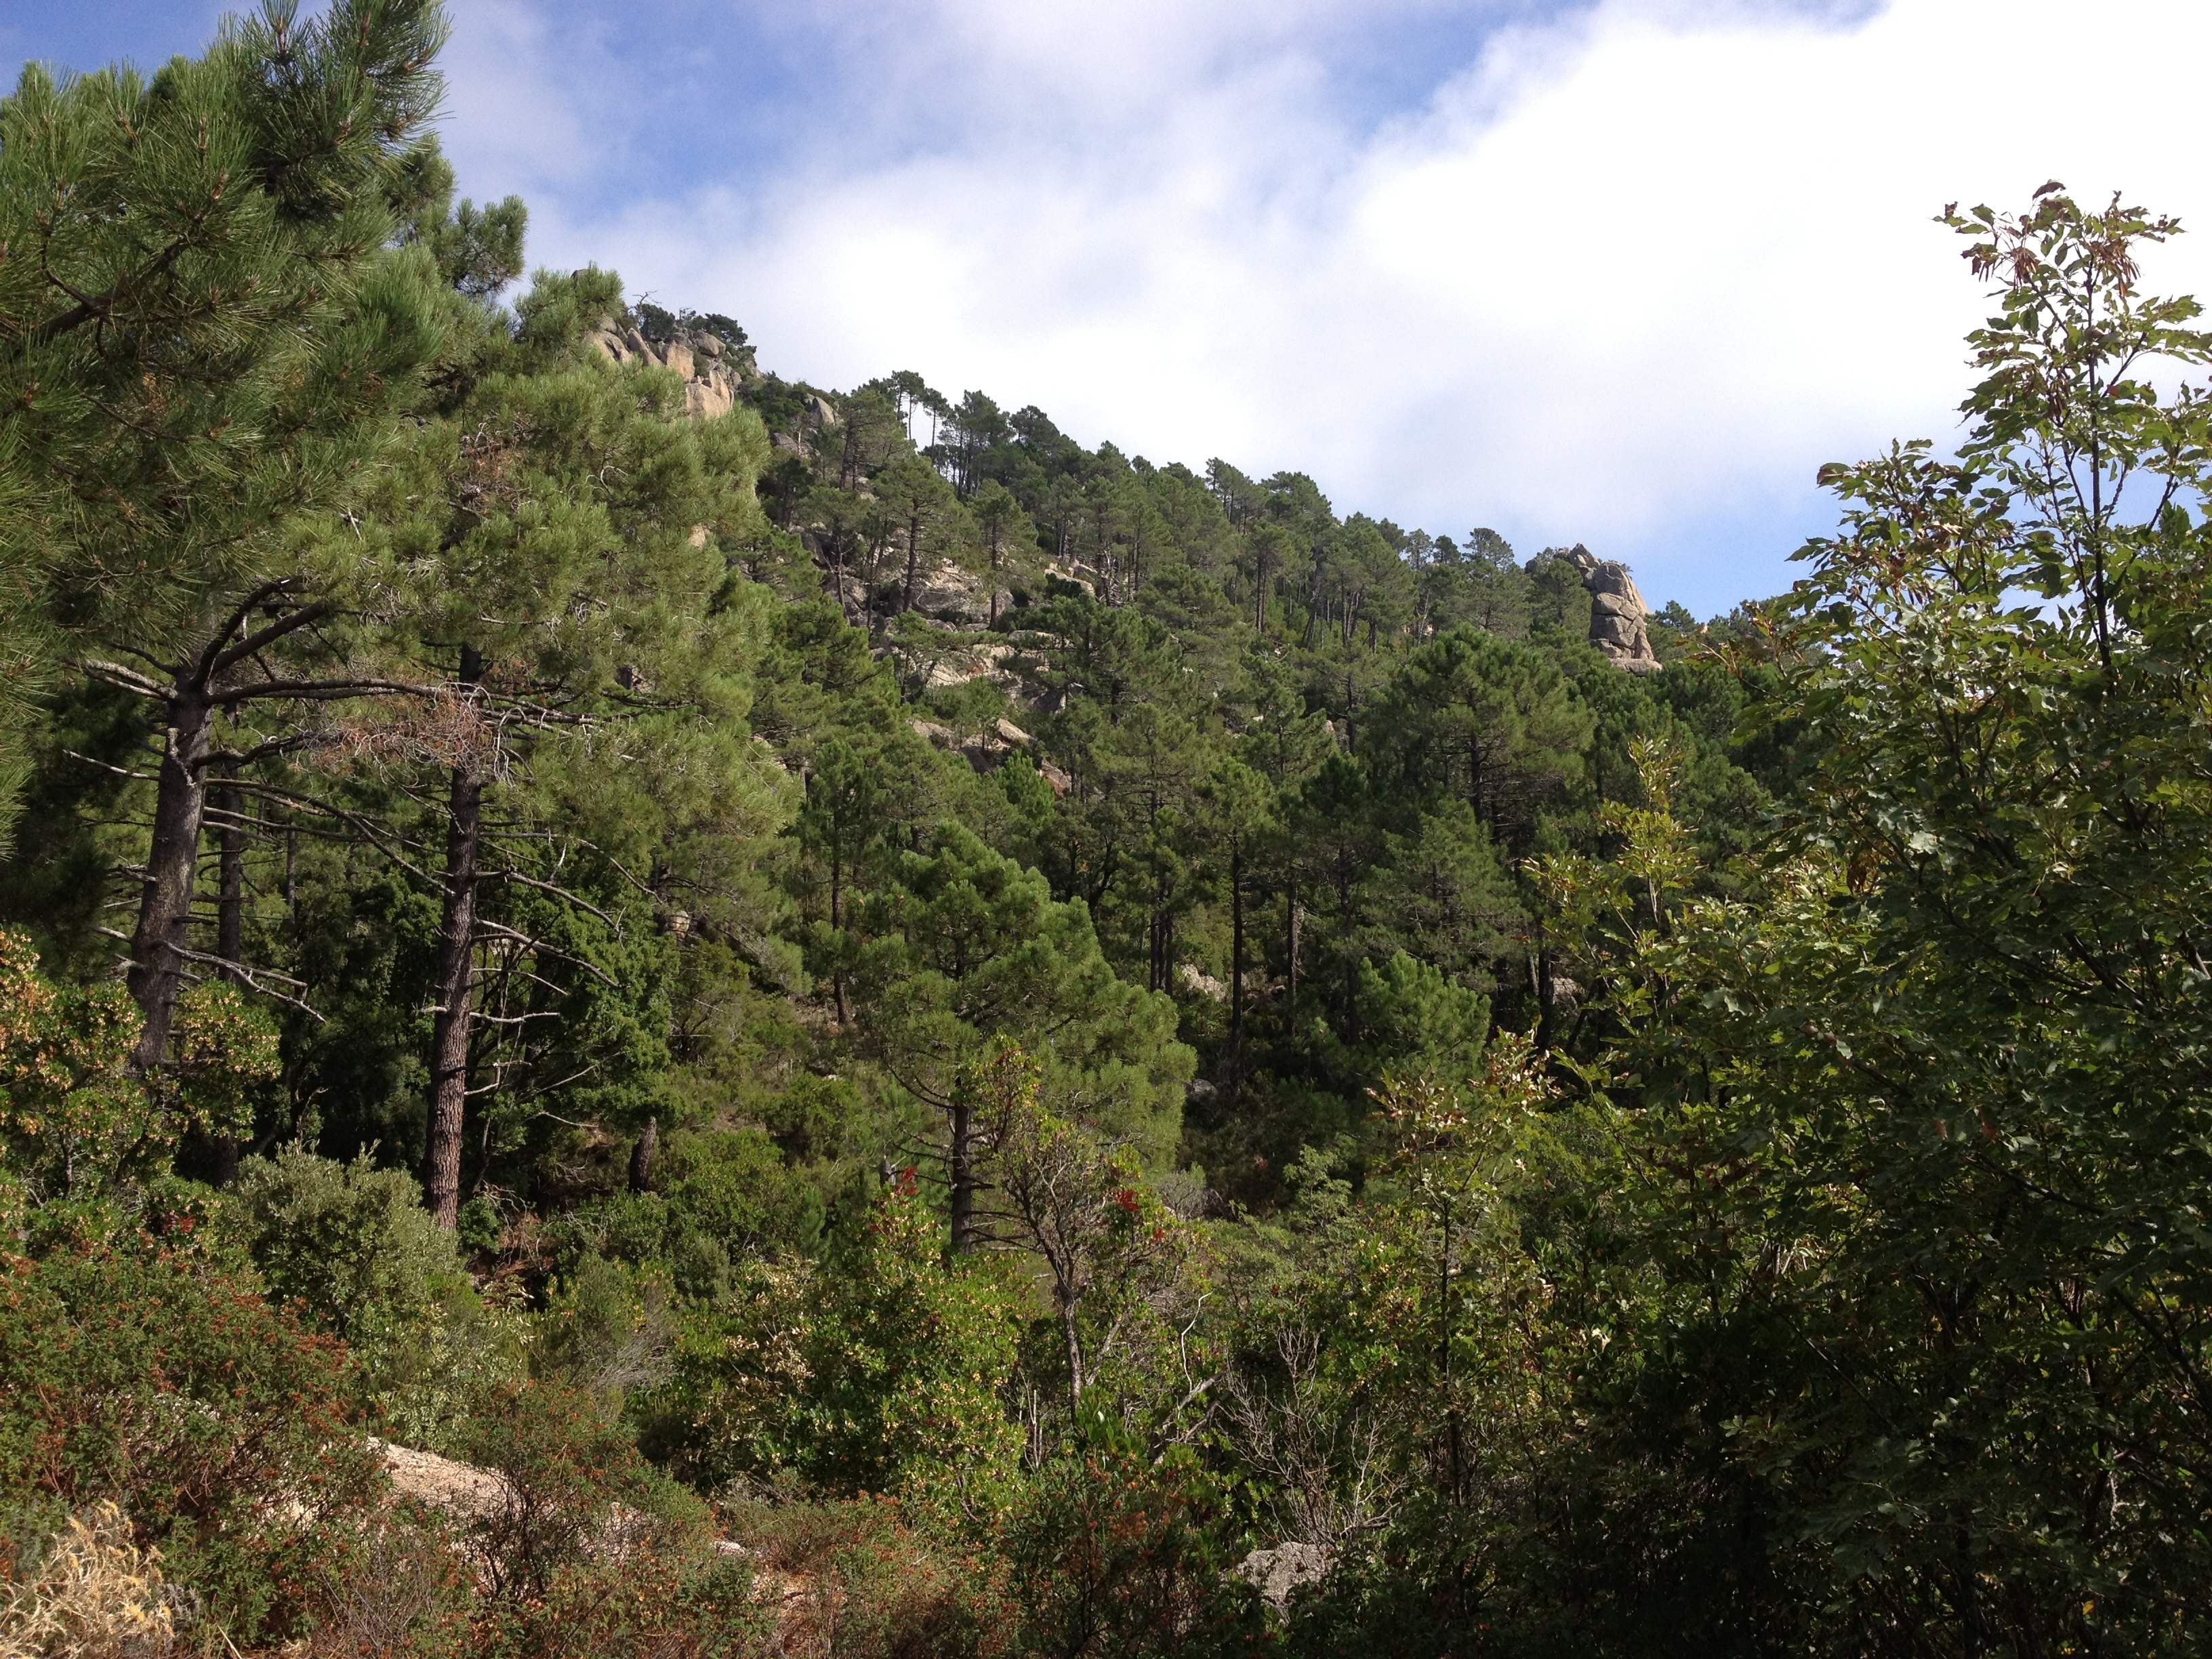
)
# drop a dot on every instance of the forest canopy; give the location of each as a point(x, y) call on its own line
point(902, 1036)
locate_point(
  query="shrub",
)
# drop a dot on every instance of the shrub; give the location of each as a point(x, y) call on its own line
point(73, 1123)
point(909, 1357)
point(732, 1186)
point(1116, 1554)
point(406, 1591)
point(855, 1578)
point(648, 1604)
point(217, 1424)
point(881, 1371)
point(577, 1491)
point(349, 1243)
point(350, 1247)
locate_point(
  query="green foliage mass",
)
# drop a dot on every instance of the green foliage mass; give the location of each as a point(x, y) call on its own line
point(1003, 1024)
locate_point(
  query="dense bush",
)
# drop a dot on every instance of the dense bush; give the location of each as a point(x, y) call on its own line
point(349, 1246)
point(884, 1370)
point(1116, 1553)
point(576, 1490)
point(214, 1422)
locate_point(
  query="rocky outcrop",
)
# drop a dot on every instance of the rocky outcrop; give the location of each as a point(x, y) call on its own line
point(443, 1483)
point(713, 370)
point(990, 749)
point(952, 592)
point(1277, 1572)
point(1618, 612)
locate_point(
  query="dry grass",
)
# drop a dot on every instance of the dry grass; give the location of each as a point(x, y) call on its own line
point(95, 1595)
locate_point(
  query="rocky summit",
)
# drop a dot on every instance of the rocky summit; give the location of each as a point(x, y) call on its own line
point(1617, 613)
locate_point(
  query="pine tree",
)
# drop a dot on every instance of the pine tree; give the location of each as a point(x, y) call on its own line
point(962, 945)
point(202, 337)
point(562, 530)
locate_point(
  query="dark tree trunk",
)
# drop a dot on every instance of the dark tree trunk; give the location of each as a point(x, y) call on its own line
point(642, 1155)
point(457, 939)
point(912, 563)
point(961, 1164)
point(1236, 971)
point(165, 905)
point(158, 944)
point(229, 931)
point(1546, 994)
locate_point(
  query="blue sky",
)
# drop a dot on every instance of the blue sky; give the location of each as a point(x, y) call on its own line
point(1623, 272)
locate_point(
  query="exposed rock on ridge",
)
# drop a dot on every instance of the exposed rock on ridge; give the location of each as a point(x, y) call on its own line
point(712, 369)
point(1617, 611)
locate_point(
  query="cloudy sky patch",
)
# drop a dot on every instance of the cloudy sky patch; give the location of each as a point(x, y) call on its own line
point(1624, 273)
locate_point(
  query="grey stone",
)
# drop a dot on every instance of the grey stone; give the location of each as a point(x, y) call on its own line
point(1277, 1572)
point(1197, 979)
point(1617, 613)
point(1613, 579)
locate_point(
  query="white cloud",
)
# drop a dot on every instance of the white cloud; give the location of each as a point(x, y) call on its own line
point(1629, 277)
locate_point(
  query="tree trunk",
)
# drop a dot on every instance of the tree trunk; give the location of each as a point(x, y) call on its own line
point(1291, 973)
point(1074, 1355)
point(457, 939)
point(912, 562)
point(961, 1164)
point(1236, 972)
point(1546, 994)
point(165, 904)
point(157, 962)
point(230, 932)
point(643, 1157)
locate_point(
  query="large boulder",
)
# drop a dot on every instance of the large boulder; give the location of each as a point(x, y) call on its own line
point(711, 371)
point(951, 594)
point(1277, 1572)
point(1618, 614)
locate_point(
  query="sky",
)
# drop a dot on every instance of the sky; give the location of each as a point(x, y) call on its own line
point(1621, 272)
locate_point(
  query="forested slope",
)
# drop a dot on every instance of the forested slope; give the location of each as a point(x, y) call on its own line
point(1006, 1025)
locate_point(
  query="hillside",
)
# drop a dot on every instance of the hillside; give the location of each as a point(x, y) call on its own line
point(897, 1036)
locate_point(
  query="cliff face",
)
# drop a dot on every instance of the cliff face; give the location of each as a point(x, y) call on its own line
point(712, 370)
point(1617, 611)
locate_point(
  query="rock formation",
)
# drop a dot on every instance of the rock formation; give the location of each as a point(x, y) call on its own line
point(1617, 610)
point(990, 749)
point(713, 370)
point(1277, 1572)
